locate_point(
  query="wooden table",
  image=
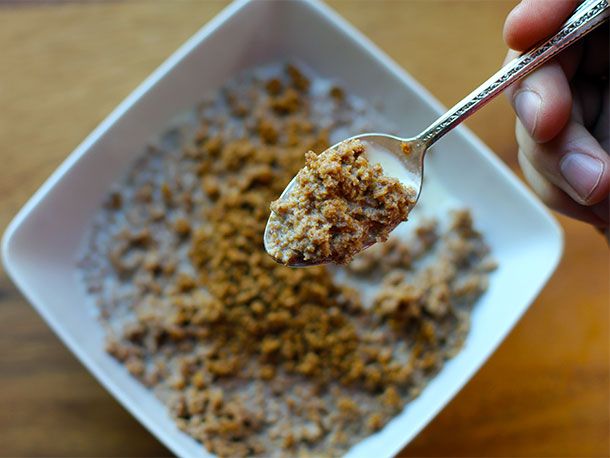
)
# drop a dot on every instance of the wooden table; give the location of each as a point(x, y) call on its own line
point(63, 67)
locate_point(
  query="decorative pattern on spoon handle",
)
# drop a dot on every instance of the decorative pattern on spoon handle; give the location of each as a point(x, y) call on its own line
point(585, 18)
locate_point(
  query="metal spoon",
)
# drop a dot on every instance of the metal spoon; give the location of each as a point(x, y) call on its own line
point(411, 151)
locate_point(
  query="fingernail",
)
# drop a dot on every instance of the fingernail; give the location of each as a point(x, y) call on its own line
point(582, 172)
point(527, 104)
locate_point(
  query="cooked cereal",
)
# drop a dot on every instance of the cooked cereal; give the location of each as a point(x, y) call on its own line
point(339, 205)
point(252, 357)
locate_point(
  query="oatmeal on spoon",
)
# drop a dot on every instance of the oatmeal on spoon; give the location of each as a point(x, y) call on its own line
point(338, 205)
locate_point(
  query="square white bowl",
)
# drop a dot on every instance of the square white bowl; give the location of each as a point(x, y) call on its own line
point(42, 243)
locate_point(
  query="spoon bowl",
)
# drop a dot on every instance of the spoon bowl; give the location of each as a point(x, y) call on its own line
point(399, 158)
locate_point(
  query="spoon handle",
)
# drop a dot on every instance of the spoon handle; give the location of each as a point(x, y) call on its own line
point(585, 18)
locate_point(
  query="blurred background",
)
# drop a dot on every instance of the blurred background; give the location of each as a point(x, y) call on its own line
point(64, 65)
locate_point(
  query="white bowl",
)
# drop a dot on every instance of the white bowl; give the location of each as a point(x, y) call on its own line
point(41, 245)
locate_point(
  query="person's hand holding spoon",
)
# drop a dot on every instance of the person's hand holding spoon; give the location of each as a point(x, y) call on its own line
point(411, 151)
point(563, 124)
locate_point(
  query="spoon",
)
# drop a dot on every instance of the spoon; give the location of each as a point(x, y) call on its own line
point(411, 151)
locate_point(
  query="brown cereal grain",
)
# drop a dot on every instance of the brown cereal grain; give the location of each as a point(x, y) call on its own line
point(338, 206)
point(254, 358)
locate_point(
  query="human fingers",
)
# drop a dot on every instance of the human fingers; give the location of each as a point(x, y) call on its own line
point(557, 199)
point(573, 161)
point(542, 101)
point(532, 20)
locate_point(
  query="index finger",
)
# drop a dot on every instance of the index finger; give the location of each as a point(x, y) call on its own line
point(532, 20)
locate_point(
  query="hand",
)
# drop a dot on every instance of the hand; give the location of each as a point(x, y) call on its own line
point(563, 122)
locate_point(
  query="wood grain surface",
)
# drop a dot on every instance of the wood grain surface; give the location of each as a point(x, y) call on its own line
point(64, 66)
